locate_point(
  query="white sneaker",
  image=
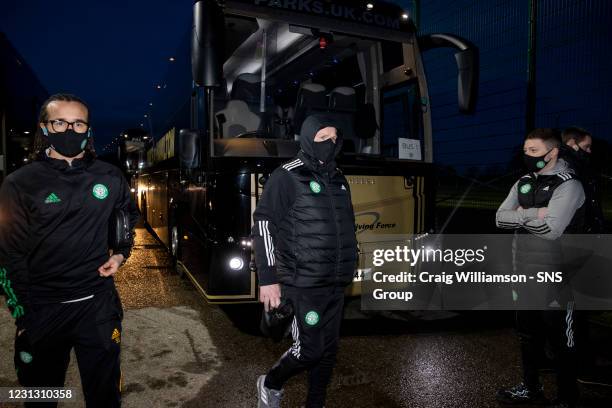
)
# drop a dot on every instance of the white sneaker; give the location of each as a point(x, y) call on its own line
point(267, 398)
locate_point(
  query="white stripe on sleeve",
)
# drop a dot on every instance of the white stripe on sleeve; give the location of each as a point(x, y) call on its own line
point(270, 247)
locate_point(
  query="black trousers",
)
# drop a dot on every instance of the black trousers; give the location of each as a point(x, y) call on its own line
point(93, 328)
point(316, 333)
point(555, 329)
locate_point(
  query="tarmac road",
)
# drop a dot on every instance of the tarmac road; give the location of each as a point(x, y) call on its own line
point(180, 352)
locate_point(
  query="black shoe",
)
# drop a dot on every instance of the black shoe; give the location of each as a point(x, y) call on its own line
point(520, 394)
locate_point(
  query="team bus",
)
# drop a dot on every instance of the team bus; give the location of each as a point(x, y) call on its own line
point(259, 68)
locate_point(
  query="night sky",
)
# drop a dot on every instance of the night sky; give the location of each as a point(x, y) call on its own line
point(111, 53)
point(114, 54)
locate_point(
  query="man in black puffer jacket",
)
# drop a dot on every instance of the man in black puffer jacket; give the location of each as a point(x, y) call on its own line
point(306, 250)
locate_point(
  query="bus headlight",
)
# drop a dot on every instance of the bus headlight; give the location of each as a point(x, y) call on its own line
point(236, 263)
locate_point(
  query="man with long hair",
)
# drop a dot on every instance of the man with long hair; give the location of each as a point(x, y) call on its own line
point(56, 269)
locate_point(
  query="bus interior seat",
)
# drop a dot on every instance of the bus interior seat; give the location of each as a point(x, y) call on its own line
point(247, 87)
point(311, 98)
point(366, 125)
point(237, 118)
point(343, 98)
point(241, 112)
point(343, 108)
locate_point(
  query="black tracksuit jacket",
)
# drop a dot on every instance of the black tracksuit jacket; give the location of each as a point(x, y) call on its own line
point(304, 225)
point(54, 220)
point(594, 220)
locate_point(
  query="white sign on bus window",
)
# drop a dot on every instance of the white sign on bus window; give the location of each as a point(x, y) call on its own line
point(409, 149)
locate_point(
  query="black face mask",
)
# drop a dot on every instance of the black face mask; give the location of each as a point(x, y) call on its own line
point(535, 164)
point(324, 151)
point(583, 155)
point(68, 143)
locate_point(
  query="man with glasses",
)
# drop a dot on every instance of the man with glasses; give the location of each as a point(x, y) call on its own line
point(56, 269)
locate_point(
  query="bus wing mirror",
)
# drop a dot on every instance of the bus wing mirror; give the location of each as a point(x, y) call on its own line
point(207, 42)
point(467, 81)
point(189, 148)
point(467, 66)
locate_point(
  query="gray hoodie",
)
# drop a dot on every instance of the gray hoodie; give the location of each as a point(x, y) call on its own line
point(566, 199)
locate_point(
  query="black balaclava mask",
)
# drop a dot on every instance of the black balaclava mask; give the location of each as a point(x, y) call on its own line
point(324, 151)
point(68, 143)
point(535, 163)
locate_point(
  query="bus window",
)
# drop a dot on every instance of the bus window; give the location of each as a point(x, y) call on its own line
point(402, 128)
point(281, 74)
point(392, 55)
point(253, 106)
point(290, 65)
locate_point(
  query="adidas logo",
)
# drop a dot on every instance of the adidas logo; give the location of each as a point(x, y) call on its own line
point(52, 198)
point(545, 188)
point(343, 188)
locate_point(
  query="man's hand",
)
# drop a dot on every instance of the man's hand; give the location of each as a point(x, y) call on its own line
point(111, 266)
point(270, 296)
point(542, 212)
